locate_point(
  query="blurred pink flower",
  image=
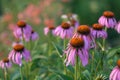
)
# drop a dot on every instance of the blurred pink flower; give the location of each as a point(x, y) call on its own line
point(49, 22)
point(4, 38)
point(12, 26)
point(21, 16)
point(7, 17)
point(36, 20)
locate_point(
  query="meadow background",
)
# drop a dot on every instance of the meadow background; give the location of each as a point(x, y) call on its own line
point(46, 63)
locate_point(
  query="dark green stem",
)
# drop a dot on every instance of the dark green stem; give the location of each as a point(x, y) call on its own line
point(21, 73)
point(5, 74)
point(76, 69)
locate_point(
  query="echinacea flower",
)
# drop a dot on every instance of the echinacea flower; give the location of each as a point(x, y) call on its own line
point(74, 20)
point(18, 52)
point(84, 31)
point(98, 32)
point(115, 74)
point(76, 47)
point(107, 19)
point(5, 63)
point(34, 35)
point(65, 30)
point(118, 27)
point(48, 29)
point(23, 31)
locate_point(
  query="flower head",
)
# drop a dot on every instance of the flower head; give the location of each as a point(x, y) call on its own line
point(34, 35)
point(76, 47)
point(18, 52)
point(64, 30)
point(5, 63)
point(23, 31)
point(107, 19)
point(98, 32)
point(49, 28)
point(84, 31)
point(115, 74)
point(74, 20)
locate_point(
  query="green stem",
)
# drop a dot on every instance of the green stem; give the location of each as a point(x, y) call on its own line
point(21, 73)
point(5, 74)
point(64, 46)
point(27, 71)
point(92, 66)
point(76, 69)
point(103, 50)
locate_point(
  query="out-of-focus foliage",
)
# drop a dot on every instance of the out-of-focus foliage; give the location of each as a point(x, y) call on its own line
point(89, 12)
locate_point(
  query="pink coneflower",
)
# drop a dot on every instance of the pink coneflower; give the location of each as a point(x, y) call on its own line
point(107, 19)
point(34, 35)
point(115, 74)
point(98, 32)
point(23, 31)
point(48, 29)
point(18, 53)
point(64, 30)
point(5, 63)
point(84, 31)
point(74, 20)
point(76, 47)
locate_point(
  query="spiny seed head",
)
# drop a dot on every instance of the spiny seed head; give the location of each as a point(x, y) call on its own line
point(118, 63)
point(108, 14)
point(77, 42)
point(5, 60)
point(18, 47)
point(51, 27)
point(97, 26)
point(21, 24)
point(65, 25)
point(83, 29)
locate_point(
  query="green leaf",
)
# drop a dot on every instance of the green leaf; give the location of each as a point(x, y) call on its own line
point(86, 73)
point(61, 75)
point(58, 49)
point(112, 52)
point(16, 76)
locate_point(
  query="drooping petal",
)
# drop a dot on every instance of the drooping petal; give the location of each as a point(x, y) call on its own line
point(26, 55)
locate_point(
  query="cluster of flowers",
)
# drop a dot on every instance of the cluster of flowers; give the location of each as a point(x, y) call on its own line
point(82, 37)
point(22, 32)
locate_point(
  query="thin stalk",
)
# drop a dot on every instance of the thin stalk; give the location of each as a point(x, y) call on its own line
point(21, 73)
point(103, 50)
point(92, 65)
point(5, 74)
point(64, 46)
point(76, 69)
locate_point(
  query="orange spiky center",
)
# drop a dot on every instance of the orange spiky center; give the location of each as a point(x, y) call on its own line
point(108, 14)
point(83, 29)
point(65, 25)
point(77, 42)
point(97, 26)
point(5, 60)
point(51, 27)
point(118, 63)
point(21, 24)
point(18, 47)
